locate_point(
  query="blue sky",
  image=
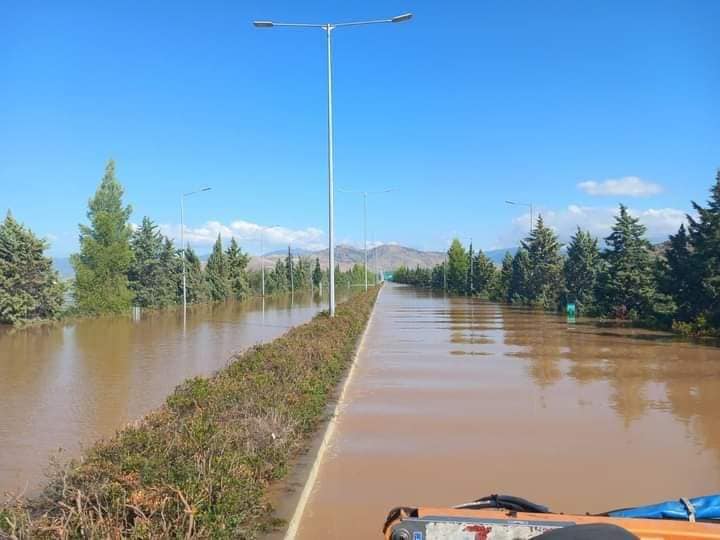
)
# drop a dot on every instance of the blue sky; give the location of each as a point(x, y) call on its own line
point(467, 105)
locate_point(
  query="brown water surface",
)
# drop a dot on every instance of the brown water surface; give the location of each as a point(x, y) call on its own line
point(66, 385)
point(453, 399)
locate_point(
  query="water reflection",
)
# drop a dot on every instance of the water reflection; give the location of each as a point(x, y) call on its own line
point(455, 398)
point(68, 384)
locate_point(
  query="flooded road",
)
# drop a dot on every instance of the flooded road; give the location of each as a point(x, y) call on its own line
point(63, 386)
point(453, 399)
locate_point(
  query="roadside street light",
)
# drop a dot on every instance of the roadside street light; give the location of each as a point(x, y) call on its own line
point(365, 195)
point(262, 254)
point(514, 203)
point(328, 28)
point(182, 241)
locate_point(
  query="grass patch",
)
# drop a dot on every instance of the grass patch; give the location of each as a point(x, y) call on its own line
point(200, 466)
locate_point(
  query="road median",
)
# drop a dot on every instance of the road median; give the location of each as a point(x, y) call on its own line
point(200, 466)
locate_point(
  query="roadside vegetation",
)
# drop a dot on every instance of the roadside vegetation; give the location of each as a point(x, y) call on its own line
point(119, 266)
point(677, 286)
point(200, 466)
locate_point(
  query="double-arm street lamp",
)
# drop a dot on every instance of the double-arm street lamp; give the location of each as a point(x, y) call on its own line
point(328, 28)
point(365, 196)
point(529, 205)
point(182, 240)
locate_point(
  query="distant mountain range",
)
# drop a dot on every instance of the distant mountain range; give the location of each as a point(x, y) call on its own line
point(386, 257)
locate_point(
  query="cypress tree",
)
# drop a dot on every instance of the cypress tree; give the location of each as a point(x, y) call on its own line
point(317, 273)
point(581, 270)
point(216, 273)
point(545, 266)
point(29, 286)
point(237, 263)
point(470, 283)
point(101, 267)
point(627, 284)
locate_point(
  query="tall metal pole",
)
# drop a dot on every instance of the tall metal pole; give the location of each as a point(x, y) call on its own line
point(262, 260)
point(328, 27)
point(365, 235)
point(331, 180)
point(182, 242)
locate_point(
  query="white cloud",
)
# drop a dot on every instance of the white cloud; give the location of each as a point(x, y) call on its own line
point(660, 222)
point(246, 232)
point(629, 186)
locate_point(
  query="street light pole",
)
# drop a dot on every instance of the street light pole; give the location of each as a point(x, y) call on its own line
point(514, 203)
point(328, 28)
point(365, 196)
point(182, 241)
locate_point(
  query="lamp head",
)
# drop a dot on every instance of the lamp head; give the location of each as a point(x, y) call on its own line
point(263, 24)
point(402, 18)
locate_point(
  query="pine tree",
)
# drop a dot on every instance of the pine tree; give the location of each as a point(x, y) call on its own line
point(29, 286)
point(545, 280)
point(484, 272)
point(677, 275)
point(196, 284)
point(627, 284)
point(171, 271)
point(317, 274)
point(581, 270)
point(470, 283)
point(519, 288)
point(457, 267)
point(101, 267)
point(290, 269)
point(501, 290)
point(237, 263)
point(704, 288)
point(216, 273)
point(145, 274)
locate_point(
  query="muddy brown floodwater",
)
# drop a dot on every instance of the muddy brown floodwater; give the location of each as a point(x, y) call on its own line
point(66, 385)
point(453, 399)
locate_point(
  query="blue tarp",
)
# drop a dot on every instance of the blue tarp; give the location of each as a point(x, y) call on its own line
point(707, 507)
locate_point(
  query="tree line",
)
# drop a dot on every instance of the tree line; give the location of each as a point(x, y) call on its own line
point(118, 267)
point(677, 285)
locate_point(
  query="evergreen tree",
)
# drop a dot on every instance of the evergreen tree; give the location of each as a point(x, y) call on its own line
point(171, 271)
point(581, 270)
point(29, 286)
point(501, 291)
point(545, 279)
point(470, 283)
point(237, 263)
point(196, 284)
point(290, 269)
point(278, 278)
point(627, 284)
point(317, 274)
point(678, 275)
point(457, 267)
point(216, 273)
point(101, 267)
point(519, 288)
point(704, 286)
point(145, 274)
point(484, 272)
